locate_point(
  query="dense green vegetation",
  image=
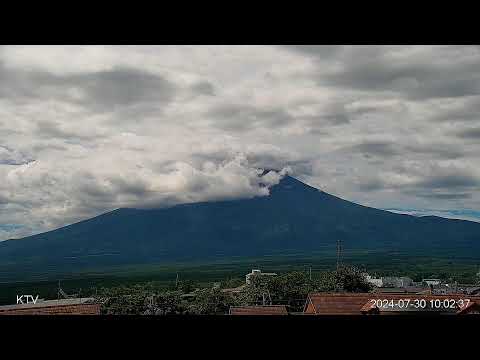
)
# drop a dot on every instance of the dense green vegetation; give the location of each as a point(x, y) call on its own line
point(231, 273)
point(290, 289)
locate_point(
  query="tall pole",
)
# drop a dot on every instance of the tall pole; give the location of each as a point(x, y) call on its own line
point(339, 253)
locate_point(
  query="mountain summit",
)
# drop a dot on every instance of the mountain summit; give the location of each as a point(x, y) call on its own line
point(294, 218)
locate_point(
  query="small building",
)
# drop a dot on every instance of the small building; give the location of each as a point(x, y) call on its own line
point(377, 282)
point(259, 310)
point(389, 281)
point(397, 281)
point(75, 306)
point(432, 282)
point(256, 272)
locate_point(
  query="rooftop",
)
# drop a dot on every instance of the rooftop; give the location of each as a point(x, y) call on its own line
point(47, 303)
point(356, 304)
point(259, 310)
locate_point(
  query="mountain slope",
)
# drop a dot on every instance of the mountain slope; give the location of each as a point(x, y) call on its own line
point(293, 218)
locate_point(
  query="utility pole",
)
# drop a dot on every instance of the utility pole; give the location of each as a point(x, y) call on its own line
point(176, 282)
point(310, 272)
point(339, 253)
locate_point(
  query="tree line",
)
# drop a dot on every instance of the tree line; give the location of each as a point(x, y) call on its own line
point(290, 289)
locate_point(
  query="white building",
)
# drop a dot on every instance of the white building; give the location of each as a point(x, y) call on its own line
point(389, 281)
point(378, 282)
point(397, 281)
point(432, 282)
point(256, 272)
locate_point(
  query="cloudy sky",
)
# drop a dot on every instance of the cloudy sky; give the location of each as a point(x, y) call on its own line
point(87, 129)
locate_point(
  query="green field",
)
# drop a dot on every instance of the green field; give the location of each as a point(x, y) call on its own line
point(203, 274)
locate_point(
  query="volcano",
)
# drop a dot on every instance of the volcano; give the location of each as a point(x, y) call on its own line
point(294, 218)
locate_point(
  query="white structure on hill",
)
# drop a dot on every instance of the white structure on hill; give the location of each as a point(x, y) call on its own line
point(378, 282)
point(256, 272)
point(432, 282)
point(389, 281)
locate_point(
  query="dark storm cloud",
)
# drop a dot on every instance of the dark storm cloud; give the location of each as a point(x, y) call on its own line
point(346, 111)
point(128, 186)
point(4, 200)
point(245, 117)
point(388, 150)
point(99, 91)
point(444, 196)
point(204, 88)
point(413, 82)
point(467, 111)
point(371, 69)
point(51, 129)
point(371, 185)
point(433, 181)
point(334, 113)
point(107, 190)
point(450, 181)
point(381, 149)
point(437, 151)
point(16, 84)
point(472, 134)
point(122, 87)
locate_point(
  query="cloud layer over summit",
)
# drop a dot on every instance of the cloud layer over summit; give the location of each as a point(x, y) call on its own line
point(87, 129)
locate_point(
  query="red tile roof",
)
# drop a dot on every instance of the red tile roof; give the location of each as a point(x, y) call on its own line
point(472, 306)
point(259, 310)
point(360, 303)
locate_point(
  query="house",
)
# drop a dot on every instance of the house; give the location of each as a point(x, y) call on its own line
point(75, 306)
point(389, 304)
point(256, 272)
point(259, 310)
